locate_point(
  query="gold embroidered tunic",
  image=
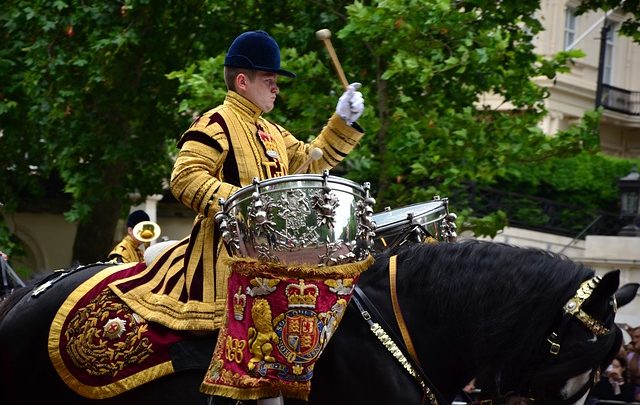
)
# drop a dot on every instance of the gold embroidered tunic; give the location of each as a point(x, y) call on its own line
point(223, 150)
point(127, 251)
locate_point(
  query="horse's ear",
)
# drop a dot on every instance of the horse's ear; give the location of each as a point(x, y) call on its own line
point(626, 294)
point(609, 283)
point(606, 288)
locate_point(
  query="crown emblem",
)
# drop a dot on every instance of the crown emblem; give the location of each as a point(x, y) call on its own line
point(301, 295)
point(239, 304)
point(297, 369)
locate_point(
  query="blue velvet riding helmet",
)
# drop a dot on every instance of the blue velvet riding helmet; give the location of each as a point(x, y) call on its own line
point(256, 50)
point(136, 217)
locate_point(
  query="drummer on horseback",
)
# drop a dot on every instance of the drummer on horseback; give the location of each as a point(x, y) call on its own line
point(223, 150)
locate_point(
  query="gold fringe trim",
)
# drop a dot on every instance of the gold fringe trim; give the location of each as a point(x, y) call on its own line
point(274, 390)
point(252, 267)
point(88, 391)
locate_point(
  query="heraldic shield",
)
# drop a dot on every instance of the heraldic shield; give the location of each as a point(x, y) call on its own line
point(278, 320)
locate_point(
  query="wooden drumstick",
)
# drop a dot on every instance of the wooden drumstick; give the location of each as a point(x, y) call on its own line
point(315, 154)
point(325, 36)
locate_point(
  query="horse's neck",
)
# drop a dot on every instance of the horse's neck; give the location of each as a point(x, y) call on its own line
point(439, 356)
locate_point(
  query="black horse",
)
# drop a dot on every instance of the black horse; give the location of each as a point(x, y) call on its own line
point(524, 322)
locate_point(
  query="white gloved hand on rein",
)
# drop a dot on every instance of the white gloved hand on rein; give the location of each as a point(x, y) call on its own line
point(351, 104)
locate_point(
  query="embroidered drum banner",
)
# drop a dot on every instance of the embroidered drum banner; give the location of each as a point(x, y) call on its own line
point(278, 321)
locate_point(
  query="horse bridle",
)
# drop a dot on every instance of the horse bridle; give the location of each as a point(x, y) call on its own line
point(572, 309)
point(404, 352)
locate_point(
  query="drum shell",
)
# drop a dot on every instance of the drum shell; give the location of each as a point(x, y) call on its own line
point(393, 225)
point(299, 219)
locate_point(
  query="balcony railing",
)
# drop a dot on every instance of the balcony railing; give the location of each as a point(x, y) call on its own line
point(620, 100)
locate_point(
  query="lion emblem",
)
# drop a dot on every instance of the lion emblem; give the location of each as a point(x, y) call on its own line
point(261, 335)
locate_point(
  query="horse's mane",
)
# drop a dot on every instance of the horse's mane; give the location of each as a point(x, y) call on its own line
point(16, 295)
point(500, 300)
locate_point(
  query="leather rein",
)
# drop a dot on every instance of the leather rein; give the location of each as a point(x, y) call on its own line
point(373, 317)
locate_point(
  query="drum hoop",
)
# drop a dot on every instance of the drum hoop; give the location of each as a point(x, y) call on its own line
point(441, 207)
point(236, 198)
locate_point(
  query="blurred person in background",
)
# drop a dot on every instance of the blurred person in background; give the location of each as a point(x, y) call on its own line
point(633, 360)
point(614, 384)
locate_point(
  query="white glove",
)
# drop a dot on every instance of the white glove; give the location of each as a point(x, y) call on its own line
point(351, 104)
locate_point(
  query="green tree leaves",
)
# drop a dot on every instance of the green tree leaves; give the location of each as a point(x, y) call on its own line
point(630, 27)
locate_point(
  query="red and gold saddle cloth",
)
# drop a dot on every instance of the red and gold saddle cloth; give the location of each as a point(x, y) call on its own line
point(278, 320)
point(101, 348)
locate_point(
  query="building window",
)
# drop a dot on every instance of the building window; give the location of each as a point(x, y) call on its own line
point(607, 74)
point(569, 26)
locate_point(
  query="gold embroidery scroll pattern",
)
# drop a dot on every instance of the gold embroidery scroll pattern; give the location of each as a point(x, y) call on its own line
point(94, 347)
point(218, 375)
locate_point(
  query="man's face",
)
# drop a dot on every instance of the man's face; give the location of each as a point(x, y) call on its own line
point(614, 370)
point(262, 90)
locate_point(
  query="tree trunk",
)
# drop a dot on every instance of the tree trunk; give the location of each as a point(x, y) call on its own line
point(94, 238)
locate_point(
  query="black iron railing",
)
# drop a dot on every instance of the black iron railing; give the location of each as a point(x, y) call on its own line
point(620, 100)
point(540, 214)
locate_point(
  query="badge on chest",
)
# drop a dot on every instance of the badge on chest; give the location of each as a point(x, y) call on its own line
point(269, 144)
point(273, 167)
